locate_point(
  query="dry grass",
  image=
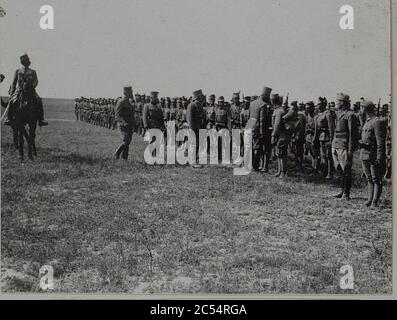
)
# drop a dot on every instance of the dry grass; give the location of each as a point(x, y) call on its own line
point(107, 226)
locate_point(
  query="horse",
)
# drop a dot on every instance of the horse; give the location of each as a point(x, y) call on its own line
point(25, 115)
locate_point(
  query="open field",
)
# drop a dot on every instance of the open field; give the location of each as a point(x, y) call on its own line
point(107, 226)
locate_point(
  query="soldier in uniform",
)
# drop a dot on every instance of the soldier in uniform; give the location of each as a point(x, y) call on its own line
point(222, 120)
point(312, 145)
point(195, 117)
point(258, 123)
point(344, 144)
point(125, 122)
point(152, 114)
point(25, 81)
point(373, 153)
point(235, 109)
point(245, 112)
point(325, 126)
point(280, 135)
point(299, 135)
point(210, 112)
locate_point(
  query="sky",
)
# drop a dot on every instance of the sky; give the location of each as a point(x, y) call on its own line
point(221, 46)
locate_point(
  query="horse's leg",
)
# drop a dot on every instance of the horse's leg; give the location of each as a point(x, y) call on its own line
point(15, 136)
point(21, 131)
point(29, 142)
point(32, 134)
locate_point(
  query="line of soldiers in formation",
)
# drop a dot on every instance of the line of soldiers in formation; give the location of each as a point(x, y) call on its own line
point(327, 132)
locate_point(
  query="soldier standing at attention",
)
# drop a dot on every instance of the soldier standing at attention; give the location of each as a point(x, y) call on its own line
point(258, 123)
point(344, 143)
point(210, 112)
point(235, 109)
point(280, 136)
point(152, 113)
point(324, 134)
point(373, 152)
point(195, 117)
point(223, 120)
point(124, 116)
point(245, 112)
point(299, 136)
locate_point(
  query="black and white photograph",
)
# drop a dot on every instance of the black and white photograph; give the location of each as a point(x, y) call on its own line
point(196, 148)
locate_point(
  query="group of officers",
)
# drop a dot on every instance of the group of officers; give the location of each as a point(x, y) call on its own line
point(327, 132)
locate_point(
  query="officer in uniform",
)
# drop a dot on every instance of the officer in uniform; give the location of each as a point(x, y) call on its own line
point(125, 122)
point(325, 125)
point(280, 135)
point(195, 116)
point(210, 112)
point(344, 143)
point(25, 81)
point(152, 113)
point(222, 120)
point(373, 152)
point(299, 135)
point(258, 123)
point(312, 145)
point(235, 109)
point(245, 112)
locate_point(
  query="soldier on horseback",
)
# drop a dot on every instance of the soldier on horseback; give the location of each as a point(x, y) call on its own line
point(25, 83)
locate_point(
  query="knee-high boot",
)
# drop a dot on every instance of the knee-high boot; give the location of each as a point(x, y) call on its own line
point(377, 194)
point(119, 151)
point(370, 194)
point(342, 186)
point(348, 185)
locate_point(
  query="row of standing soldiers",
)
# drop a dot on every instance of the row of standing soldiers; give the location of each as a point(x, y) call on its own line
point(328, 133)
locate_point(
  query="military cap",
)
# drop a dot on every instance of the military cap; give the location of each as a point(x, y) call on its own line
point(127, 90)
point(310, 104)
point(254, 98)
point(294, 103)
point(236, 95)
point(247, 98)
point(2, 77)
point(281, 99)
point(275, 97)
point(197, 94)
point(357, 103)
point(266, 91)
point(24, 56)
point(154, 94)
point(221, 98)
point(342, 97)
point(366, 103)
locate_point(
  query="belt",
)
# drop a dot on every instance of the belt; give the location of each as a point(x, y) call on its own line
point(341, 135)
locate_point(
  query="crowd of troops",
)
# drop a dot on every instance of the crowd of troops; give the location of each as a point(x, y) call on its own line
point(326, 132)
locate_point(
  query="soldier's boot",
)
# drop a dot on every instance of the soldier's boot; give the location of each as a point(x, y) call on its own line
point(266, 164)
point(255, 160)
point(284, 167)
point(341, 193)
point(124, 155)
point(40, 114)
point(118, 152)
point(278, 168)
point(329, 171)
point(348, 185)
point(377, 194)
point(370, 194)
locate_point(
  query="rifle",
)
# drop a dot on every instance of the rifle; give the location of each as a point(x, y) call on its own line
point(286, 100)
point(378, 107)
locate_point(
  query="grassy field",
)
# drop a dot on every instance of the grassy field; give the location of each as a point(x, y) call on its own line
point(107, 226)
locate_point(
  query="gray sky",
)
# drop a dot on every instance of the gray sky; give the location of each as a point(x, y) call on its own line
point(221, 46)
